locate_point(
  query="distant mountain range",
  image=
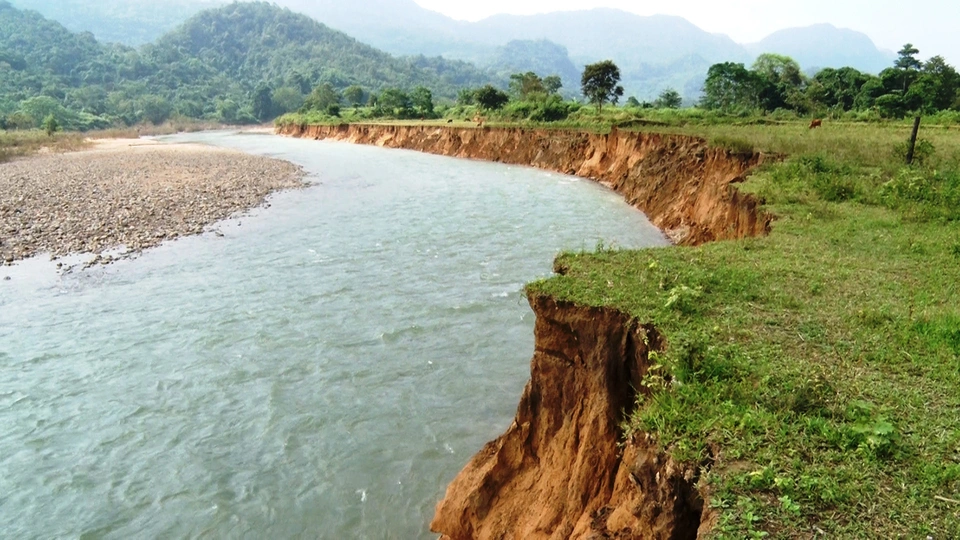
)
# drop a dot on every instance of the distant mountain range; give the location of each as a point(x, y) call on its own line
point(653, 52)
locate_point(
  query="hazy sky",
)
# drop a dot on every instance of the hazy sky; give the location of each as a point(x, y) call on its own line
point(931, 25)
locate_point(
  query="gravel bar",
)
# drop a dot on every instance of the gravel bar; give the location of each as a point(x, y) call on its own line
point(133, 193)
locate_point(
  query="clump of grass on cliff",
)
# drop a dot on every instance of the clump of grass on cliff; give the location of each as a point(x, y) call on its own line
point(816, 370)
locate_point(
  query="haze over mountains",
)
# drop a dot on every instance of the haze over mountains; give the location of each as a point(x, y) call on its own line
point(653, 52)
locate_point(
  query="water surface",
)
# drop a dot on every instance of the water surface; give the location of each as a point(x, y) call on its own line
point(322, 370)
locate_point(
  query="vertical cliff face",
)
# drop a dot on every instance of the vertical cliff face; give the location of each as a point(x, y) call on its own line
point(560, 471)
point(684, 186)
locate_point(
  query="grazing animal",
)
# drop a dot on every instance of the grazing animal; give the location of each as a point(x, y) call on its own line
point(816, 123)
point(479, 120)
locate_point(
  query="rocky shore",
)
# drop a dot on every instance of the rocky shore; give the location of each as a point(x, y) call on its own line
point(131, 193)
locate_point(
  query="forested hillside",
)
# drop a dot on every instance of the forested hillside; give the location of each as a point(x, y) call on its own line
point(210, 67)
point(129, 22)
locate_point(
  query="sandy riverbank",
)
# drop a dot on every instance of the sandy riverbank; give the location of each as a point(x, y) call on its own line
point(128, 192)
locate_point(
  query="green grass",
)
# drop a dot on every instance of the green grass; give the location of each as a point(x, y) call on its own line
point(816, 370)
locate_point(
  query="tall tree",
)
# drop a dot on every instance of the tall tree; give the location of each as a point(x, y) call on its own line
point(730, 85)
point(907, 64)
point(552, 84)
point(600, 83)
point(779, 82)
point(524, 85)
point(422, 100)
point(937, 85)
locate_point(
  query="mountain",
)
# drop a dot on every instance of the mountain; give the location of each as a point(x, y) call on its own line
point(130, 22)
point(397, 26)
point(257, 41)
point(633, 42)
point(653, 52)
point(209, 67)
point(823, 46)
point(603, 33)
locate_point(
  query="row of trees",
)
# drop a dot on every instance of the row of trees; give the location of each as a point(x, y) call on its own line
point(777, 82)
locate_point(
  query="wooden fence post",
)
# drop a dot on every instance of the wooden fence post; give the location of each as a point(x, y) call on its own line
point(913, 140)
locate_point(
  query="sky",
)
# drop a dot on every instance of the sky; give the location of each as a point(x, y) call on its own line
point(931, 25)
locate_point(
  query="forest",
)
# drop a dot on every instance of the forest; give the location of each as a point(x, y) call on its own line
point(209, 68)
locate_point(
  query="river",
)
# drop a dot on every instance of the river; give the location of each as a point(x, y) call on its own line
point(321, 368)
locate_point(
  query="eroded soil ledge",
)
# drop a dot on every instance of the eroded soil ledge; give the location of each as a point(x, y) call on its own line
point(684, 186)
point(563, 470)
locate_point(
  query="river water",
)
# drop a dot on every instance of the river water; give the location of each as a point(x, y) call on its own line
point(321, 370)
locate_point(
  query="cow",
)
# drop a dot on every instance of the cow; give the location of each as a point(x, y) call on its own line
point(816, 123)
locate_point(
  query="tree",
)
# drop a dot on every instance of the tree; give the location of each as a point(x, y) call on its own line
point(395, 102)
point(669, 99)
point(937, 85)
point(322, 97)
point(907, 58)
point(729, 85)
point(600, 83)
point(262, 105)
point(552, 84)
point(779, 82)
point(524, 85)
point(633, 102)
point(907, 64)
point(50, 125)
point(490, 98)
point(836, 88)
point(354, 95)
point(422, 100)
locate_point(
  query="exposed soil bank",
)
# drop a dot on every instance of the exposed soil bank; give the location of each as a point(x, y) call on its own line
point(559, 471)
point(130, 192)
point(684, 186)
point(563, 470)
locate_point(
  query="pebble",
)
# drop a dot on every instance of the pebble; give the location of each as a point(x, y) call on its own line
point(91, 202)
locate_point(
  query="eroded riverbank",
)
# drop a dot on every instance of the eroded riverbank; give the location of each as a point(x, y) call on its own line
point(131, 193)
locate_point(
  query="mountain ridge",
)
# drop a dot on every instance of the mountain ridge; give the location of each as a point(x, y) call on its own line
point(641, 45)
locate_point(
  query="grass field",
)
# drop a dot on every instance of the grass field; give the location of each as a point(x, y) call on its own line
point(818, 369)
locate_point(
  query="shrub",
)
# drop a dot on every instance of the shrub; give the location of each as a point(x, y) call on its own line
point(923, 194)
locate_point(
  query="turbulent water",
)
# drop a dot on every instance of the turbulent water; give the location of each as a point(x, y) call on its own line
point(323, 369)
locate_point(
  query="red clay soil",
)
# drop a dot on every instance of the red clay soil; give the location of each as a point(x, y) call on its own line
point(559, 471)
point(684, 186)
